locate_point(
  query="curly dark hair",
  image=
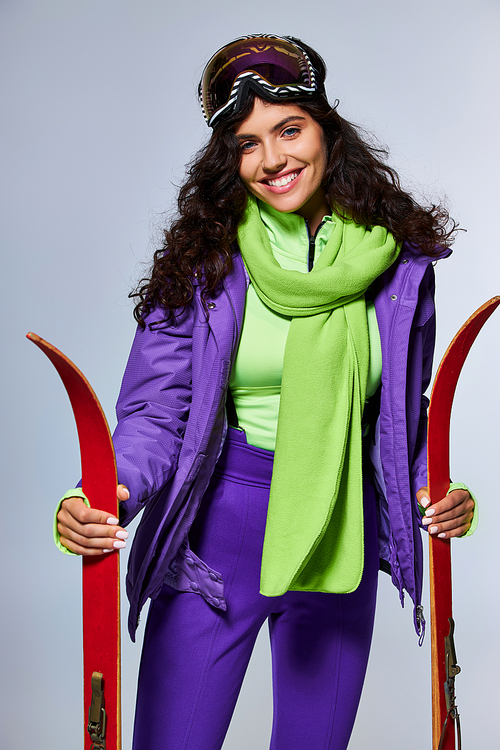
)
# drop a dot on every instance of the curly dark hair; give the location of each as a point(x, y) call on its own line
point(358, 184)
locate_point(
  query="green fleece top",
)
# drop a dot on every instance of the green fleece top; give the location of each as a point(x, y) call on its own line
point(256, 375)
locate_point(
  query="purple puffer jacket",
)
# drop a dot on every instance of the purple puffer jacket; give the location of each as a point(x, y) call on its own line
point(172, 424)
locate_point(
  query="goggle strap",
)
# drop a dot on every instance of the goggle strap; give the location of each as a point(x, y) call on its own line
point(250, 79)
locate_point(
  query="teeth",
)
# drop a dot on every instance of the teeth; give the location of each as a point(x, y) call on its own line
point(284, 180)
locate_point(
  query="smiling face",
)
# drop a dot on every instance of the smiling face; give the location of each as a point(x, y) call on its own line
point(283, 159)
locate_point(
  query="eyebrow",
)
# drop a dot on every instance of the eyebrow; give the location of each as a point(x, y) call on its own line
point(291, 118)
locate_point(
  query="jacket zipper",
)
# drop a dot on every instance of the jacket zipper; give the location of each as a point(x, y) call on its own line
point(312, 244)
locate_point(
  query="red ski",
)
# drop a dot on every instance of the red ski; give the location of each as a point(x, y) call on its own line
point(444, 667)
point(101, 575)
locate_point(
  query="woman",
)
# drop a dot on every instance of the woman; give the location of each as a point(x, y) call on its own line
point(296, 281)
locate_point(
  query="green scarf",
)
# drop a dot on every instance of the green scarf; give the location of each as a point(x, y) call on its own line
point(314, 530)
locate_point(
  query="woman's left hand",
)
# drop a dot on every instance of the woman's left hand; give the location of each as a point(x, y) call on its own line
point(449, 517)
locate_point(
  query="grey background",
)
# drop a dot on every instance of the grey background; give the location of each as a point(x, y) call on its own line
point(99, 115)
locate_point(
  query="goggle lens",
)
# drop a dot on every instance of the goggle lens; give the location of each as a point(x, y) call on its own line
point(278, 61)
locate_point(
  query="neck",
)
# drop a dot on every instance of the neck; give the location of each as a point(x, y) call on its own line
point(314, 210)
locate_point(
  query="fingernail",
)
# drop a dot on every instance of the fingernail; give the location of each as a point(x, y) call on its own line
point(119, 545)
point(107, 550)
point(442, 535)
point(124, 489)
point(424, 502)
point(426, 520)
point(432, 530)
point(430, 512)
point(112, 521)
point(122, 534)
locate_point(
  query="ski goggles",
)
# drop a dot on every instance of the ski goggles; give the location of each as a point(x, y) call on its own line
point(275, 68)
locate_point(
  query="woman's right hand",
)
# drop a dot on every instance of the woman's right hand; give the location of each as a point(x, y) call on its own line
point(87, 531)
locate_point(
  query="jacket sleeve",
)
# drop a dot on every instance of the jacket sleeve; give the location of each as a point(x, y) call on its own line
point(152, 408)
point(425, 329)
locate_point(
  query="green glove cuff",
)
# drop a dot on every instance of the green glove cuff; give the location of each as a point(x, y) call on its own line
point(76, 492)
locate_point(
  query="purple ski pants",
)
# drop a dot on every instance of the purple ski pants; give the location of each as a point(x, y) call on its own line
point(195, 656)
